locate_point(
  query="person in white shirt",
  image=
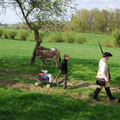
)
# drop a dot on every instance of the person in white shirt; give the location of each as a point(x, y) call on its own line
point(103, 73)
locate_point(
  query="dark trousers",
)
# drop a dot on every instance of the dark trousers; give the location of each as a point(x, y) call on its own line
point(64, 80)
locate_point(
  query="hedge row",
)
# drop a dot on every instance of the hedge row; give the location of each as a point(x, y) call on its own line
point(66, 37)
point(11, 33)
point(59, 37)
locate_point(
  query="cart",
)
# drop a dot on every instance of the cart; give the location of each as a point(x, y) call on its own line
point(45, 79)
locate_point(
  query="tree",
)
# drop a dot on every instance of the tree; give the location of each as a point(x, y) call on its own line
point(79, 21)
point(117, 18)
point(103, 20)
point(75, 23)
point(84, 17)
point(37, 13)
point(96, 14)
point(111, 21)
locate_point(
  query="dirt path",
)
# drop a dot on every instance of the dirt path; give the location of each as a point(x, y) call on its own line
point(43, 89)
point(20, 75)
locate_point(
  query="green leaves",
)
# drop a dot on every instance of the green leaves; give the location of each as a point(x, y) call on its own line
point(96, 20)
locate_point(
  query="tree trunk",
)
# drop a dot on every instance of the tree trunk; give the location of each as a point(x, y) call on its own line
point(33, 57)
point(38, 42)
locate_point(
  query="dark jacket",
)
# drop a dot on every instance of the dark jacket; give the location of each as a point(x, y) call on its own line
point(63, 67)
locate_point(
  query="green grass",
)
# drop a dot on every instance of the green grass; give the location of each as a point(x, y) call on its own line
point(23, 105)
point(93, 38)
point(55, 103)
point(83, 63)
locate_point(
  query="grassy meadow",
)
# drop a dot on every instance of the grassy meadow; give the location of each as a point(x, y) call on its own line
point(40, 103)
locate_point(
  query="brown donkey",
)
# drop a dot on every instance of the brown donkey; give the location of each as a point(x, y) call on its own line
point(46, 54)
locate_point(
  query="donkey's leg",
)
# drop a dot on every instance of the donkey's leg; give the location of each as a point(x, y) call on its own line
point(56, 60)
point(48, 63)
point(43, 61)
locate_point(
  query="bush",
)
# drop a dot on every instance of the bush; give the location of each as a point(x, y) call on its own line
point(109, 43)
point(55, 37)
point(116, 35)
point(69, 37)
point(12, 34)
point(6, 34)
point(23, 34)
point(1, 32)
point(80, 39)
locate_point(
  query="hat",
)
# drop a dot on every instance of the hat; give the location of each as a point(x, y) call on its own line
point(107, 54)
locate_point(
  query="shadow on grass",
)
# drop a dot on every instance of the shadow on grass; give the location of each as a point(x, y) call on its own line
point(23, 105)
point(13, 79)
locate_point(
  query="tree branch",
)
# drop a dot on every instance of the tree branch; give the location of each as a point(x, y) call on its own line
point(25, 17)
point(29, 11)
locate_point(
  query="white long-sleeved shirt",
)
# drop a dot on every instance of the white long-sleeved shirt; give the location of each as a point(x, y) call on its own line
point(103, 69)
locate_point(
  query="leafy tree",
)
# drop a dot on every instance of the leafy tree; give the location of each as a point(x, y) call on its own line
point(117, 18)
point(84, 19)
point(96, 20)
point(37, 13)
point(75, 23)
point(103, 21)
point(111, 19)
point(79, 21)
point(96, 14)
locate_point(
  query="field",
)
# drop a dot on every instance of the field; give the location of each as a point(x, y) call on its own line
point(21, 100)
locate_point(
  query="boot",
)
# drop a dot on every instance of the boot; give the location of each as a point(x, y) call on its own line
point(109, 93)
point(96, 94)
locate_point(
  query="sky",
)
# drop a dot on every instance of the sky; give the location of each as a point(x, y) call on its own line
point(12, 18)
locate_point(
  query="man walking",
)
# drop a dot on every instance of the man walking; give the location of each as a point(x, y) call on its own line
point(103, 74)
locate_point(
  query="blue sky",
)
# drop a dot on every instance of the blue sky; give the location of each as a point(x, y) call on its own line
point(11, 17)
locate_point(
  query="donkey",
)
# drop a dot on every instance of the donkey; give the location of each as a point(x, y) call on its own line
point(46, 54)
